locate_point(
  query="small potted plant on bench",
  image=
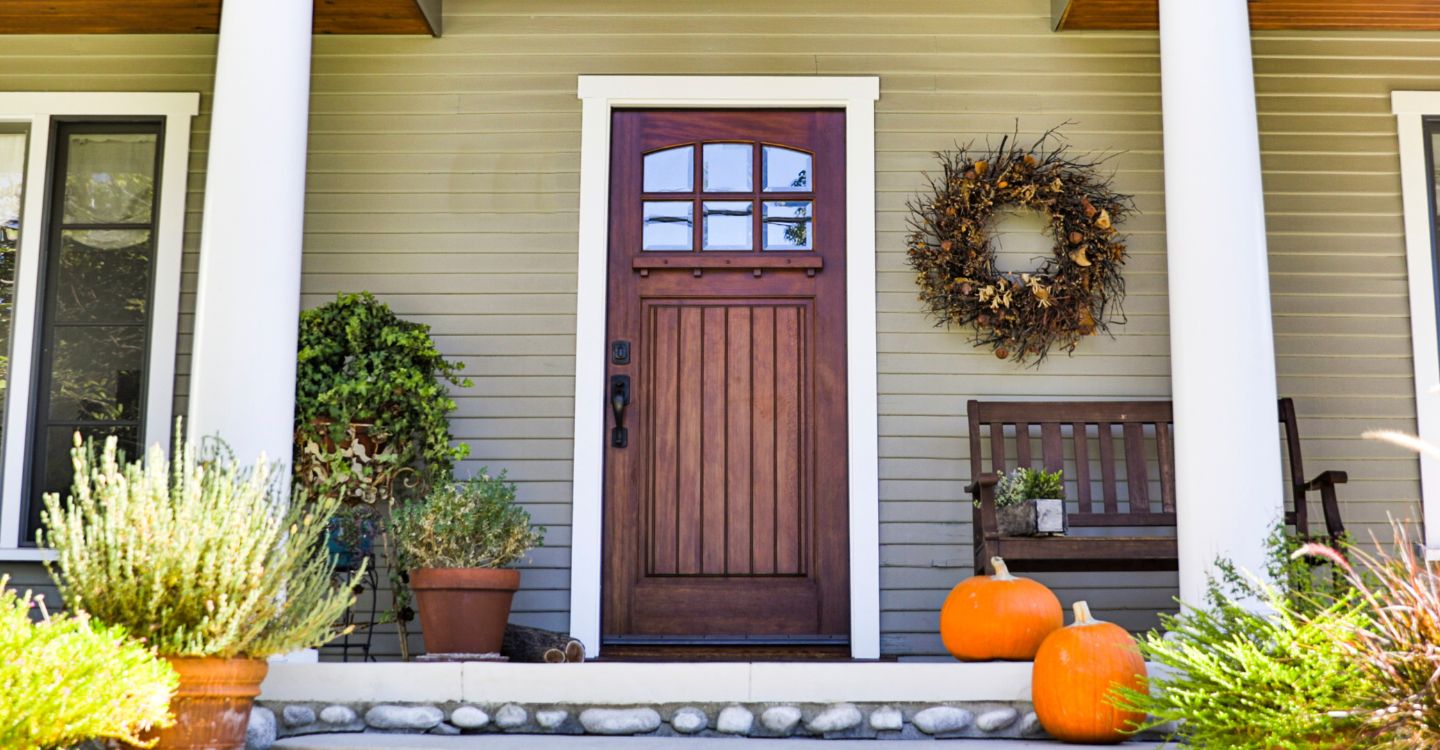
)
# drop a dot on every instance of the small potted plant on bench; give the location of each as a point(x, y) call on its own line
point(456, 544)
point(1030, 502)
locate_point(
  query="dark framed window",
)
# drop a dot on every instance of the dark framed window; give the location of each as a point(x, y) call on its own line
point(96, 291)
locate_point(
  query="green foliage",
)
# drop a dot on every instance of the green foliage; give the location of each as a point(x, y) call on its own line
point(1274, 677)
point(471, 524)
point(65, 680)
point(1029, 484)
point(198, 558)
point(360, 364)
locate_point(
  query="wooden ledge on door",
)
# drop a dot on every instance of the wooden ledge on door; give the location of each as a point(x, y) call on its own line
point(810, 264)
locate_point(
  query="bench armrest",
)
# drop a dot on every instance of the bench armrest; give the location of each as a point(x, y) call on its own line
point(983, 492)
point(1327, 479)
point(982, 481)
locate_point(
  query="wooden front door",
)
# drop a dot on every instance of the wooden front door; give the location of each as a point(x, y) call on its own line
point(725, 484)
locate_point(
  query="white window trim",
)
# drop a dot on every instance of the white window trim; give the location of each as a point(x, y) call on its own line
point(602, 94)
point(38, 109)
point(1411, 108)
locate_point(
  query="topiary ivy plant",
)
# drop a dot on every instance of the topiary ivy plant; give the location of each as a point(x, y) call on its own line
point(371, 400)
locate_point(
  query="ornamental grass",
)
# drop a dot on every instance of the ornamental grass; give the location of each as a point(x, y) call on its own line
point(199, 557)
point(64, 680)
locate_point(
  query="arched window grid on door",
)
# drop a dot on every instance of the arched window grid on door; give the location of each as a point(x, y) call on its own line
point(728, 196)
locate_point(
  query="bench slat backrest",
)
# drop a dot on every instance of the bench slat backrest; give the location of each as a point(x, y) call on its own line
point(1144, 430)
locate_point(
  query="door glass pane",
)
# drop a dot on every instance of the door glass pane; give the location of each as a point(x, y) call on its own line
point(12, 183)
point(670, 171)
point(96, 374)
point(788, 225)
point(110, 178)
point(669, 225)
point(729, 225)
point(104, 276)
point(785, 170)
point(729, 167)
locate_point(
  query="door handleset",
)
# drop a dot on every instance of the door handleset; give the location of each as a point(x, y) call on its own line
point(619, 399)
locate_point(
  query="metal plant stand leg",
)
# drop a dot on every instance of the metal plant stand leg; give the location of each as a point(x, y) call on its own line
point(362, 616)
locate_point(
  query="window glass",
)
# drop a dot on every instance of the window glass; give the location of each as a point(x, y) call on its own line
point(95, 313)
point(669, 225)
point(788, 225)
point(729, 225)
point(786, 170)
point(12, 184)
point(670, 171)
point(729, 167)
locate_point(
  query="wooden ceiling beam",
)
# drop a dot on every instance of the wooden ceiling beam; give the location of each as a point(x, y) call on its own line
point(203, 16)
point(1265, 15)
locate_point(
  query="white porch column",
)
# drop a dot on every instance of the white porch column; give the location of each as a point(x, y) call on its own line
point(242, 381)
point(1227, 452)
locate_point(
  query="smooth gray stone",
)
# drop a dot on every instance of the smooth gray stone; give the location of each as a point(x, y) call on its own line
point(689, 720)
point(551, 719)
point(780, 719)
point(942, 720)
point(337, 715)
point(618, 721)
point(887, 719)
point(260, 734)
point(419, 718)
point(469, 717)
point(994, 721)
point(510, 716)
point(836, 718)
point(735, 720)
point(298, 716)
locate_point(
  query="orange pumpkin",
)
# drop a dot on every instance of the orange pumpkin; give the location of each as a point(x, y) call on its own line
point(1074, 674)
point(998, 617)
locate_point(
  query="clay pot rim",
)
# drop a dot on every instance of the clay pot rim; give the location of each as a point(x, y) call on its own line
point(506, 579)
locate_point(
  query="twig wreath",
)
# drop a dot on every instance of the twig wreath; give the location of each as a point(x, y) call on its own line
point(1078, 292)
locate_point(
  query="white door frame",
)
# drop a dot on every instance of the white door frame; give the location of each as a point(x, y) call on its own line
point(856, 96)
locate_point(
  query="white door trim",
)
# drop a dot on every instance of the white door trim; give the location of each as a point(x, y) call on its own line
point(1411, 108)
point(601, 95)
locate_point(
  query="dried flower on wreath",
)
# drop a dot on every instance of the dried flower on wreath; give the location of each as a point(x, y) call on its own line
point(1077, 292)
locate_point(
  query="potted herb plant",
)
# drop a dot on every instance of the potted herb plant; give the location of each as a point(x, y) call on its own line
point(456, 544)
point(206, 563)
point(1029, 502)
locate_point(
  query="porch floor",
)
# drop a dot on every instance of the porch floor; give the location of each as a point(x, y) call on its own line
point(546, 742)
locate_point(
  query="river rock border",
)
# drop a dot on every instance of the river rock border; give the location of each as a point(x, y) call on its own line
point(270, 720)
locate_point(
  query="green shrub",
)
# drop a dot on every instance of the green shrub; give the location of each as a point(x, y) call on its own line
point(1260, 666)
point(471, 524)
point(198, 558)
point(65, 680)
point(360, 363)
point(1029, 484)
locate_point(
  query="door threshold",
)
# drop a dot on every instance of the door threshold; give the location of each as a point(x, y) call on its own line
point(652, 652)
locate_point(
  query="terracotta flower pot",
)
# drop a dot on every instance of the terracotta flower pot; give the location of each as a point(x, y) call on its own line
point(464, 610)
point(212, 706)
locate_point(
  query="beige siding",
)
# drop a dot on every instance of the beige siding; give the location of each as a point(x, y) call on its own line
point(443, 177)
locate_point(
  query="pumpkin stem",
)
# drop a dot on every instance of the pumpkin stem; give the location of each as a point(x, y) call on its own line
point(1002, 571)
point(1082, 613)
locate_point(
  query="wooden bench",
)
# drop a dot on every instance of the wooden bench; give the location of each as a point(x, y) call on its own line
point(1129, 530)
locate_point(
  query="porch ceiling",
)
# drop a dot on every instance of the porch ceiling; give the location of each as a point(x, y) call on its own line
point(203, 16)
point(1371, 15)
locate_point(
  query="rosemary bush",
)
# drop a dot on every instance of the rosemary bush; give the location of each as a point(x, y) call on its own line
point(65, 680)
point(471, 524)
point(198, 558)
point(1028, 484)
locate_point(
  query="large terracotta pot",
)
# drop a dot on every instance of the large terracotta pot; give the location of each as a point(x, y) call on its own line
point(464, 610)
point(212, 706)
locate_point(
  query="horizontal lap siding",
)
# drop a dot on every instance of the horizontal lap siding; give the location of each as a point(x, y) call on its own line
point(443, 175)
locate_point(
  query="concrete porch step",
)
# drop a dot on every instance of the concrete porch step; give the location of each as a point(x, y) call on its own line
point(371, 741)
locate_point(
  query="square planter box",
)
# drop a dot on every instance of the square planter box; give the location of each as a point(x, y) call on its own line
point(1033, 518)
